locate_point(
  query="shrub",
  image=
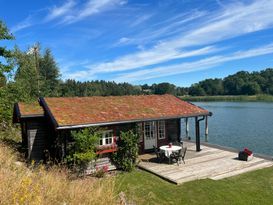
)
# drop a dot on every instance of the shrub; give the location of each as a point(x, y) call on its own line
point(83, 150)
point(127, 153)
point(100, 172)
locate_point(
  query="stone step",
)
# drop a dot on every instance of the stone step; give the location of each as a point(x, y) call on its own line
point(112, 167)
point(104, 159)
point(109, 165)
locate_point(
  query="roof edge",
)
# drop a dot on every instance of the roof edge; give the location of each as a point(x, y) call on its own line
point(31, 116)
point(210, 113)
point(16, 116)
point(43, 103)
point(64, 127)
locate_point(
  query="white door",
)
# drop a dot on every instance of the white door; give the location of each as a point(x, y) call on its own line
point(150, 135)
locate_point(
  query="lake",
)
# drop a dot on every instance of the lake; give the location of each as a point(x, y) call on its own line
point(239, 125)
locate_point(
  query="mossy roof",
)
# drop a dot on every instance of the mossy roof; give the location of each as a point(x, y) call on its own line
point(30, 109)
point(73, 111)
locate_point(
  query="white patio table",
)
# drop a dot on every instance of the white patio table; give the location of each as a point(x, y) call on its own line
point(169, 150)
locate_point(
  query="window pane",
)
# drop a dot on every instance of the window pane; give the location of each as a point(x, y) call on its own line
point(161, 129)
point(107, 137)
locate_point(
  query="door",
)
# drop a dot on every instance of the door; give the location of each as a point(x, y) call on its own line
point(150, 135)
point(37, 135)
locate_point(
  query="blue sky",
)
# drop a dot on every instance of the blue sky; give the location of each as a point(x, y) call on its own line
point(176, 41)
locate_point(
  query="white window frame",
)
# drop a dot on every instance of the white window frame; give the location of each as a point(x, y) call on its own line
point(104, 138)
point(161, 129)
point(152, 129)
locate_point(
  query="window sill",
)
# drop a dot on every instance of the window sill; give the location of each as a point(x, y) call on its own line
point(101, 149)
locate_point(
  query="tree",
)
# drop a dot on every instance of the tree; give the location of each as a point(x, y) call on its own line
point(266, 81)
point(164, 88)
point(233, 85)
point(37, 74)
point(196, 90)
point(4, 53)
point(48, 74)
point(3, 80)
point(26, 74)
point(9, 93)
point(251, 88)
point(212, 86)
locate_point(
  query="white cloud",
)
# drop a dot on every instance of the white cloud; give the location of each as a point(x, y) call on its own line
point(66, 67)
point(149, 58)
point(70, 12)
point(193, 66)
point(141, 19)
point(22, 25)
point(163, 29)
point(123, 40)
point(64, 9)
point(232, 21)
point(79, 75)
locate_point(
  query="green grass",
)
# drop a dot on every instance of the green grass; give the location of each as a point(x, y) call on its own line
point(250, 188)
point(243, 98)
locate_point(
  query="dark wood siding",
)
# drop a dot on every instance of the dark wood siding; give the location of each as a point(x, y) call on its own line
point(173, 130)
point(37, 135)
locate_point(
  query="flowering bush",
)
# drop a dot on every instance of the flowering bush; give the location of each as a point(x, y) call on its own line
point(127, 152)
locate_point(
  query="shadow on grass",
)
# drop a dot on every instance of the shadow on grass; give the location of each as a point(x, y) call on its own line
point(13, 144)
point(10, 138)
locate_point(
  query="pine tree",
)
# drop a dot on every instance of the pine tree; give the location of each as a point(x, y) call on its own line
point(48, 74)
point(4, 53)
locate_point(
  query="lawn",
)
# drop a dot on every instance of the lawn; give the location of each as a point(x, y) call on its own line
point(250, 188)
point(21, 185)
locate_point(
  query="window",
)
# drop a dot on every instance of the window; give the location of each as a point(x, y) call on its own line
point(140, 131)
point(150, 130)
point(161, 129)
point(107, 137)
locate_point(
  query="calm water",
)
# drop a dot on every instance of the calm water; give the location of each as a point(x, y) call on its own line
point(239, 125)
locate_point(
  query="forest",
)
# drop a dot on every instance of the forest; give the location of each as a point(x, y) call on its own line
point(28, 74)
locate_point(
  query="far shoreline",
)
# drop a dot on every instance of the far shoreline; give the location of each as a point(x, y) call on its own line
point(229, 98)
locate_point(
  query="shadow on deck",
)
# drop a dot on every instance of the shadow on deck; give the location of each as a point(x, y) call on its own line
point(212, 162)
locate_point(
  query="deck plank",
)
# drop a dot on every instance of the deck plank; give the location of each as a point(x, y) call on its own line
point(211, 162)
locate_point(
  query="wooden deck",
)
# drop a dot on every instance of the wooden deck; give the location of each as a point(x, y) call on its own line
point(213, 163)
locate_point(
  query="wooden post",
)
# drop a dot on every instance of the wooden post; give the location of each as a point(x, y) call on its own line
point(180, 133)
point(187, 128)
point(197, 134)
point(206, 129)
